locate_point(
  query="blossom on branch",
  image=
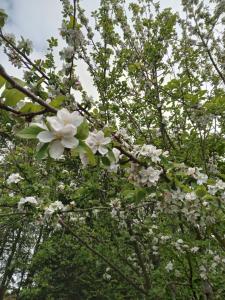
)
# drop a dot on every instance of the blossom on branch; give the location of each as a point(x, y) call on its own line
point(149, 176)
point(61, 134)
point(97, 142)
point(14, 178)
point(27, 200)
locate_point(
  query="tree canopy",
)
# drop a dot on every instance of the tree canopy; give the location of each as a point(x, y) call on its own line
point(121, 196)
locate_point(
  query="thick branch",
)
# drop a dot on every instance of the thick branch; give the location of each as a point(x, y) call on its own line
point(25, 91)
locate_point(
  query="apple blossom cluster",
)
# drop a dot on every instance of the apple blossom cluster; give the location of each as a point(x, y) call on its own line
point(149, 151)
point(57, 208)
point(54, 207)
point(97, 142)
point(218, 186)
point(14, 178)
point(27, 201)
point(115, 164)
point(67, 53)
point(169, 267)
point(145, 176)
point(61, 132)
point(73, 36)
point(24, 46)
point(4, 151)
point(106, 275)
point(202, 178)
point(195, 173)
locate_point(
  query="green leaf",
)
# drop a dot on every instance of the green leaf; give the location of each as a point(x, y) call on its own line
point(82, 131)
point(105, 161)
point(30, 107)
point(26, 108)
point(12, 96)
point(3, 18)
point(42, 152)
point(140, 194)
point(29, 132)
point(111, 156)
point(201, 191)
point(71, 23)
point(83, 148)
point(128, 194)
point(57, 101)
point(2, 81)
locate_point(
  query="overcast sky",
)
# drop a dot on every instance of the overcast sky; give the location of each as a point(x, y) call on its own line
point(40, 19)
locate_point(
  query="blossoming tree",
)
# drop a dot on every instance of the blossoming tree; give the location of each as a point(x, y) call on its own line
point(123, 196)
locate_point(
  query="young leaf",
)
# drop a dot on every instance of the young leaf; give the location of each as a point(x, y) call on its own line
point(12, 96)
point(29, 132)
point(83, 148)
point(2, 81)
point(3, 17)
point(105, 161)
point(111, 156)
point(57, 101)
point(82, 131)
point(42, 152)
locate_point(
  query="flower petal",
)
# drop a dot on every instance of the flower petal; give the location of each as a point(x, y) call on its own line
point(68, 131)
point(70, 142)
point(56, 149)
point(94, 148)
point(55, 123)
point(45, 136)
point(116, 153)
point(41, 125)
point(63, 114)
point(106, 141)
point(76, 119)
point(102, 150)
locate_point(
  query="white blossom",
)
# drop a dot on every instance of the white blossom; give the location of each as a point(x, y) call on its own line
point(220, 185)
point(191, 196)
point(180, 241)
point(203, 272)
point(114, 166)
point(63, 128)
point(52, 208)
point(116, 206)
point(23, 201)
point(201, 178)
point(191, 171)
point(152, 152)
point(67, 53)
point(14, 178)
point(107, 276)
point(149, 176)
point(97, 142)
point(169, 267)
point(212, 189)
point(194, 249)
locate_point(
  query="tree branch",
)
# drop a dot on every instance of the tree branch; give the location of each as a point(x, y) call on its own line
point(26, 92)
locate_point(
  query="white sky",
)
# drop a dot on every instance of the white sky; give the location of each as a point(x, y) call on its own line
point(40, 19)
